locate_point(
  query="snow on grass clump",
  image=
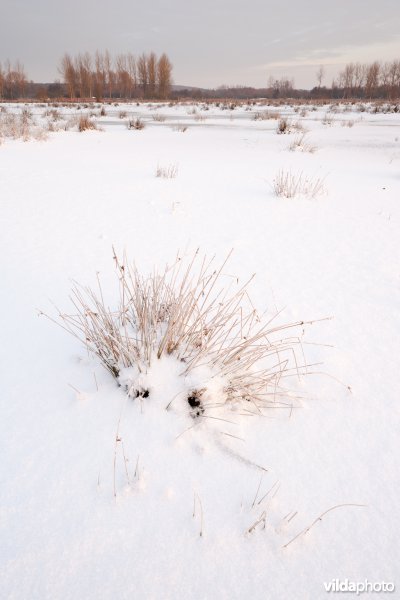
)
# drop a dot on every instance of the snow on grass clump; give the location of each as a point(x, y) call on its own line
point(289, 185)
point(223, 354)
point(20, 125)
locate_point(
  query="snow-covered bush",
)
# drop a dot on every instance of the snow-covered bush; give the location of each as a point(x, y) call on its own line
point(167, 172)
point(85, 123)
point(301, 144)
point(136, 124)
point(20, 126)
point(289, 185)
point(206, 328)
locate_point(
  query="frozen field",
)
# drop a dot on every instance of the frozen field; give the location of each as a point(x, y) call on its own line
point(64, 203)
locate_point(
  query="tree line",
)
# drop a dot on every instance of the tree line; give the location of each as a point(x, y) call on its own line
point(369, 81)
point(13, 80)
point(125, 76)
point(146, 76)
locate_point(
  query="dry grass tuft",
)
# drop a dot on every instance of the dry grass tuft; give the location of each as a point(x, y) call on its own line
point(193, 312)
point(288, 185)
point(266, 115)
point(301, 144)
point(85, 123)
point(179, 127)
point(136, 124)
point(168, 172)
point(286, 126)
point(20, 126)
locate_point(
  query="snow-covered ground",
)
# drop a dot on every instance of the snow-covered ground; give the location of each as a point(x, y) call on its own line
point(64, 203)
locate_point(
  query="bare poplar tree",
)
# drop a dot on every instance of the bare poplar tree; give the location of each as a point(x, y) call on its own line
point(142, 74)
point(2, 80)
point(151, 74)
point(372, 79)
point(320, 74)
point(109, 72)
point(68, 73)
point(164, 76)
point(132, 74)
point(99, 75)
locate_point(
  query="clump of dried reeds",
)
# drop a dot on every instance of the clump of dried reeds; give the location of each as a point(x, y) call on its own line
point(85, 123)
point(188, 311)
point(167, 172)
point(289, 185)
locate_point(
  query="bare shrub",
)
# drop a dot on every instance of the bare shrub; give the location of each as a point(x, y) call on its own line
point(286, 126)
point(168, 172)
point(347, 123)
point(53, 114)
point(85, 123)
point(190, 314)
point(39, 134)
point(301, 144)
point(159, 118)
point(327, 120)
point(283, 126)
point(102, 112)
point(265, 115)
point(180, 127)
point(20, 126)
point(136, 124)
point(122, 114)
point(289, 185)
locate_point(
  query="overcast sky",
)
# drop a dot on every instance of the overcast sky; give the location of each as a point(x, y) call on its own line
point(210, 42)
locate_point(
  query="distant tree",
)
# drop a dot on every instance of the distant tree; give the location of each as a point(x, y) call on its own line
point(68, 73)
point(99, 76)
point(142, 74)
point(151, 75)
point(164, 76)
point(372, 79)
point(132, 74)
point(109, 73)
point(2, 81)
point(320, 74)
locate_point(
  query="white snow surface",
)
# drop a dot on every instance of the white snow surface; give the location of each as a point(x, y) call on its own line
point(64, 203)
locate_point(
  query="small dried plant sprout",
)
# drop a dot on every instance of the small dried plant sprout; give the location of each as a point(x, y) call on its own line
point(20, 126)
point(179, 127)
point(286, 126)
point(265, 115)
point(301, 144)
point(137, 124)
point(289, 185)
point(349, 123)
point(86, 123)
point(167, 172)
point(225, 354)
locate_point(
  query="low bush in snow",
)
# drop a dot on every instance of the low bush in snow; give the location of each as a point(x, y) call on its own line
point(199, 320)
point(301, 144)
point(286, 126)
point(265, 115)
point(85, 123)
point(20, 126)
point(168, 172)
point(289, 185)
point(136, 124)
